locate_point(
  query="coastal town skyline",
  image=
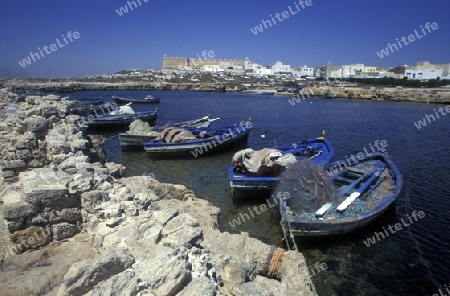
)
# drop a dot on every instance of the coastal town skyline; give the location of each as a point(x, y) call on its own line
point(105, 37)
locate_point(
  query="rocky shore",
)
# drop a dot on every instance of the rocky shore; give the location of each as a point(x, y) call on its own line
point(73, 224)
point(418, 95)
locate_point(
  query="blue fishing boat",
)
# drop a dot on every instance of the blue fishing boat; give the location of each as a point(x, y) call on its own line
point(86, 109)
point(133, 141)
point(149, 99)
point(120, 118)
point(87, 101)
point(176, 142)
point(340, 197)
point(319, 150)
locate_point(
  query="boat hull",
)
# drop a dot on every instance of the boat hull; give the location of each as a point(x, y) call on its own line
point(135, 101)
point(121, 121)
point(98, 110)
point(136, 142)
point(88, 101)
point(246, 184)
point(197, 148)
point(380, 198)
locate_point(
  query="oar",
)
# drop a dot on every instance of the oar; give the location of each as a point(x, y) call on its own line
point(360, 190)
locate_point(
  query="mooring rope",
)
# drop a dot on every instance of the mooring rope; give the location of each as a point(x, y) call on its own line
point(275, 261)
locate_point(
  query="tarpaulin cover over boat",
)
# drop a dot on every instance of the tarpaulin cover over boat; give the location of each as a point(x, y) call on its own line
point(265, 162)
point(123, 110)
point(175, 135)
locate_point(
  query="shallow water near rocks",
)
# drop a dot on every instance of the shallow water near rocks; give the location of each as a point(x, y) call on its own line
point(413, 261)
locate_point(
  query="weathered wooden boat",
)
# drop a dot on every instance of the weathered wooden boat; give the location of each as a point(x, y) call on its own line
point(319, 150)
point(197, 142)
point(84, 109)
point(147, 100)
point(133, 141)
point(120, 120)
point(87, 101)
point(343, 196)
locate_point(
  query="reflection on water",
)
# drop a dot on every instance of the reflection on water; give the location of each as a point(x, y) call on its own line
point(413, 261)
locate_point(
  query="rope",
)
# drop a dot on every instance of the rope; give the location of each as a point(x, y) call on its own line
point(268, 260)
point(285, 223)
point(276, 260)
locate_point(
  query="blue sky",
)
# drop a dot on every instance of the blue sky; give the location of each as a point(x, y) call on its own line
point(343, 32)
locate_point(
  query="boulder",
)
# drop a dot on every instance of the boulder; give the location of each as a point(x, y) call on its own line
point(80, 183)
point(199, 286)
point(182, 230)
point(37, 124)
point(166, 274)
point(124, 283)
point(71, 215)
point(91, 199)
point(163, 216)
point(85, 275)
point(19, 210)
point(31, 238)
point(64, 230)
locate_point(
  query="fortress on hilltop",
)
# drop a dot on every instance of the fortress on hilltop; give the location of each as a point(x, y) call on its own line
point(200, 62)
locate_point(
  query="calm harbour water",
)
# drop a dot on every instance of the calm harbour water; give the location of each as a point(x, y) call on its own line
point(413, 261)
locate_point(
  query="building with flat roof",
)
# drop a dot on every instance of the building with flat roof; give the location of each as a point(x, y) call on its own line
point(200, 63)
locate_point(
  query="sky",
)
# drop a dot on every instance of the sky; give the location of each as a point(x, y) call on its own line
point(340, 32)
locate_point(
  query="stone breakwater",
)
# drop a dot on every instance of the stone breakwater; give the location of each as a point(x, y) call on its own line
point(74, 225)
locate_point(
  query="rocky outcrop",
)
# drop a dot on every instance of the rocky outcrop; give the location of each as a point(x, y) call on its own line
point(85, 275)
point(381, 94)
point(45, 170)
point(150, 238)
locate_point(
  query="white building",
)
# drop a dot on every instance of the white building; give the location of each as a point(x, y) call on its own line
point(424, 74)
point(307, 71)
point(280, 68)
point(257, 69)
point(349, 71)
point(263, 71)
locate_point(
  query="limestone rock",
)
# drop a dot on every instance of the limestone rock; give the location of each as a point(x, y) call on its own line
point(31, 238)
point(163, 216)
point(124, 283)
point(183, 230)
point(80, 183)
point(71, 215)
point(169, 272)
point(17, 164)
point(199, 286)
point(64, 230)
point(116, 169)
point(37, 124)
point(84, 275)
point(19, 210)
point(46, 188)
point(91, 199)
point(152, 235)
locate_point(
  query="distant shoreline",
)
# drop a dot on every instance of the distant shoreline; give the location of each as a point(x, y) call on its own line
point(397, 94)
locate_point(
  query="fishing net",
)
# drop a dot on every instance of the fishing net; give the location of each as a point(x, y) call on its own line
point(265, 162)
point(139, 127)
point(306, 187)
